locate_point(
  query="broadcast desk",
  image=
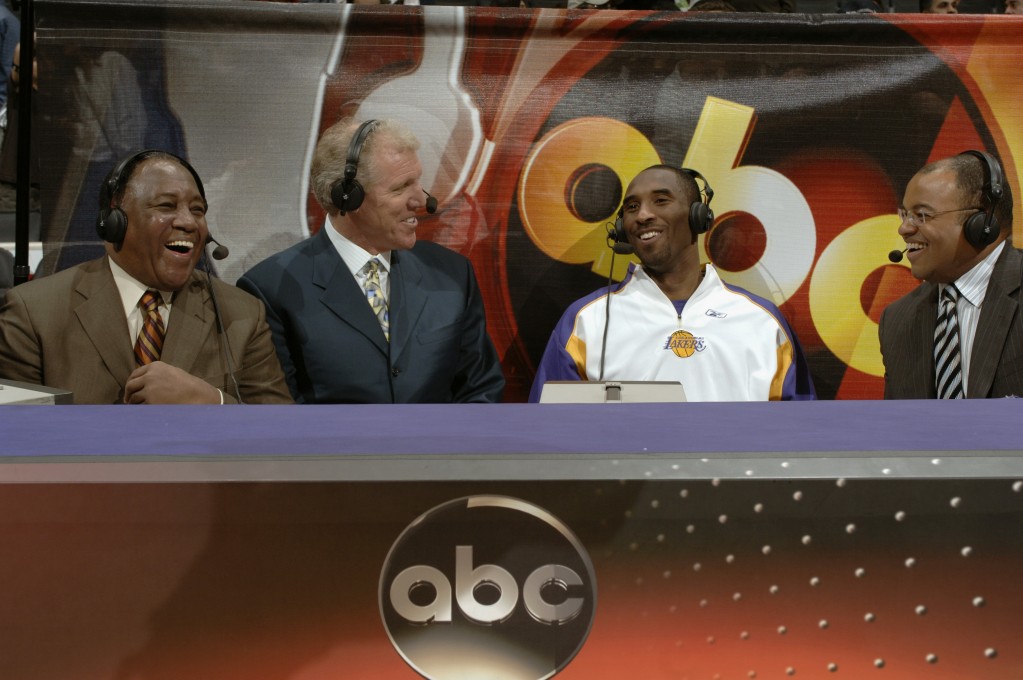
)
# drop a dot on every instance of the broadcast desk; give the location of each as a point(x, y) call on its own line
point(829, 539)
point(513, 442)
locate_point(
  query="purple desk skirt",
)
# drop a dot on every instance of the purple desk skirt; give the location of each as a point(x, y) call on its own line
point(27, 432)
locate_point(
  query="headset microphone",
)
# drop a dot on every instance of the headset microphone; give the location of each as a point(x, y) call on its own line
point(221, 251)
point(431, 202)
point(617, 240)
point(896, 255)
point(623, 248)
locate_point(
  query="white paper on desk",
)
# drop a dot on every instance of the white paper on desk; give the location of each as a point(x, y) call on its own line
point(10, 394)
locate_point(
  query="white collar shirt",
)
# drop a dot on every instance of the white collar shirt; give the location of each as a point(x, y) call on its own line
point(355, 258)
point(972, 288)
point(130, 290)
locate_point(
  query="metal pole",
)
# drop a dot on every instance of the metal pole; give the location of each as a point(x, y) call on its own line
point(21, 215)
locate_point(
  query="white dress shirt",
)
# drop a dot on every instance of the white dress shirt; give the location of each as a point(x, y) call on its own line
point(355, 258)
point(131, 292)
point(972, 289)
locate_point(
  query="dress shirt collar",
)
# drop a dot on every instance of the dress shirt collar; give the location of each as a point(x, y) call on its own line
point(355, 257)
point(131, 290)
point(973, 284)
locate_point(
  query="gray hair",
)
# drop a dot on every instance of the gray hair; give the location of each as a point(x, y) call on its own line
point(329, 159)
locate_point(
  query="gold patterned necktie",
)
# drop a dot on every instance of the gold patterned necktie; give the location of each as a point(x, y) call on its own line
point(375, 296)
point(150, 341)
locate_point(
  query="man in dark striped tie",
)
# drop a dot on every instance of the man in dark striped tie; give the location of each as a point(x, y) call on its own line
point(960, 333)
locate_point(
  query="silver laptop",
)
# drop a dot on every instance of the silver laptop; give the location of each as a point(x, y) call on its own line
point(610, 392)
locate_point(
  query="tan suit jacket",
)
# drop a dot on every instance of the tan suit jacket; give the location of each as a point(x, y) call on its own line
point(996, 368)
point(69, 331)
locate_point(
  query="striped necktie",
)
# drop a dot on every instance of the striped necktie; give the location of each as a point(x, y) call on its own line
point(150, 341)
point(375, 296)
point(948, 369)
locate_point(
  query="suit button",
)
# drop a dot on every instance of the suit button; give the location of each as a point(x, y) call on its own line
point(395, 372)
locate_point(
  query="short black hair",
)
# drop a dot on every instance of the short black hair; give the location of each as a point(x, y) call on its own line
point(112, 190)
point(686, 181)
point(971, 176)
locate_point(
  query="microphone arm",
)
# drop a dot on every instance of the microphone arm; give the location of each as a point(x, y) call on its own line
point(226, 346)
point(607, 314)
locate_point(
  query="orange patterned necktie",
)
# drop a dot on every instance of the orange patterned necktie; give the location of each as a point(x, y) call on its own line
point(150, 340)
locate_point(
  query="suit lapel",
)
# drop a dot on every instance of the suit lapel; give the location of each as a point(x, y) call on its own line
point(407, 299)
point(998, 310)
point(189, 326)
point(342, 295)
point(103, 320)
point(921, 339)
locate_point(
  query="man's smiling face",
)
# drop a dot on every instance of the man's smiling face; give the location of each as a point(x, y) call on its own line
point(655, 214)
point(937, 249)
point(386, 220)
point(166, 225)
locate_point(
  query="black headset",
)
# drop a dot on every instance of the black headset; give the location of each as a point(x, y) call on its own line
point(347, 194)
point(112, 223)
point(981, 229)
point(701, 217)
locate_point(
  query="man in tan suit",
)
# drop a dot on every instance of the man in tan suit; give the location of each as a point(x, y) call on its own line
point(957, 223)
point(76, 329)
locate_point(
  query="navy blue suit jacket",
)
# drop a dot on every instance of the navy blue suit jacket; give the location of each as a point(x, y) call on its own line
point(330, 343)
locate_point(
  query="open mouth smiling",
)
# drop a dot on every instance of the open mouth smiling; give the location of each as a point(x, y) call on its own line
point(180, 247)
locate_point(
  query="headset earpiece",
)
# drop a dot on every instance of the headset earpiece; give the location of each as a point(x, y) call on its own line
point(619, 239)
point(112, 223)
point(981, 229)
point(701, 217)
point(620, 236)
point(347, 193)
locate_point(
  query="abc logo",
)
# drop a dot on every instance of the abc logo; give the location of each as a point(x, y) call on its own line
point(487, 587)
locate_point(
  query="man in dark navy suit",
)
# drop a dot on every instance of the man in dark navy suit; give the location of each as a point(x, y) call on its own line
point(362, 312)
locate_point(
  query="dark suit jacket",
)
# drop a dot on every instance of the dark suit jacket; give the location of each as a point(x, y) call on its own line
point(69, 331)
point(6, 273)
point(996, 365)
point(333, 350)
